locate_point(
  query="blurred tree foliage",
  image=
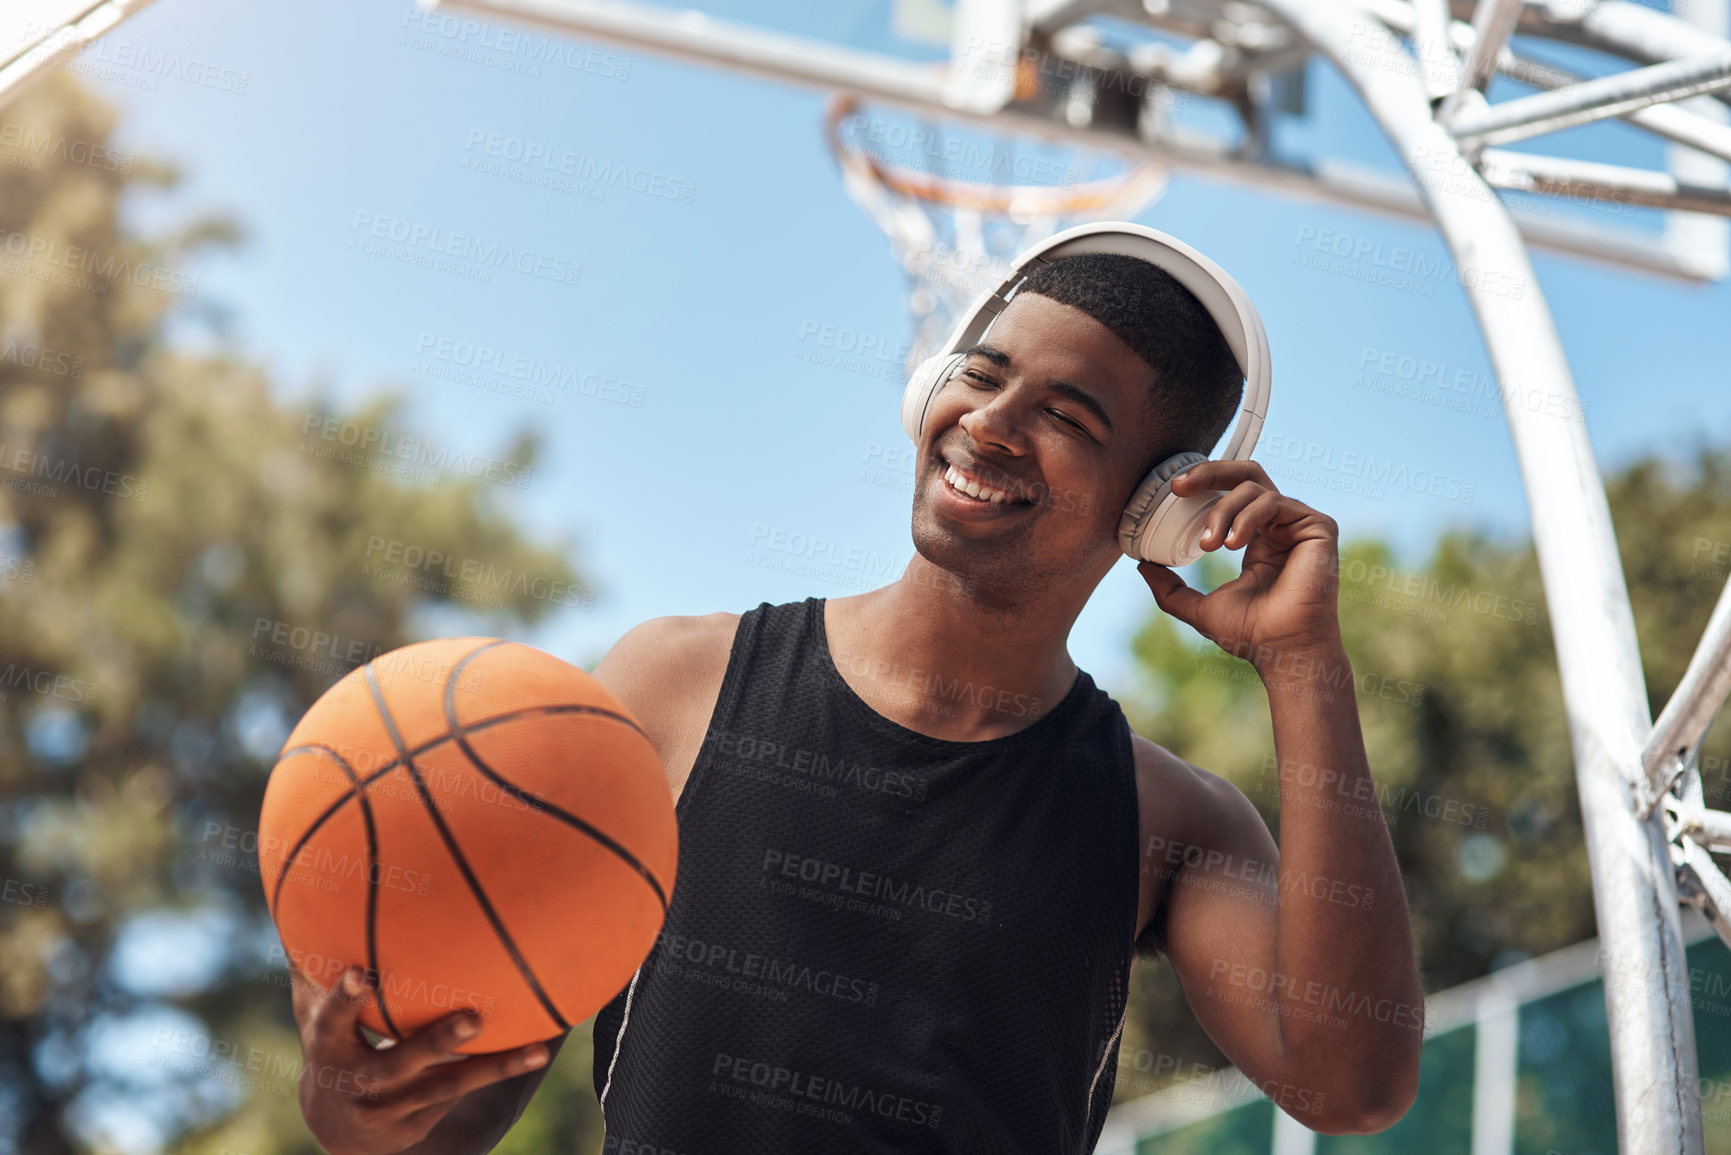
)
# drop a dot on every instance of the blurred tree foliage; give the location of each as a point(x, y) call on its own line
point(166, 529)
point(1462, 711)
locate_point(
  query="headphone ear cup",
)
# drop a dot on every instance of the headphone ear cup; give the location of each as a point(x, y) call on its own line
point(927, 379)
point(1157, 524)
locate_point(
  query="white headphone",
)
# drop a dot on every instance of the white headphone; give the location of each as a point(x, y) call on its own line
point(1157, 525)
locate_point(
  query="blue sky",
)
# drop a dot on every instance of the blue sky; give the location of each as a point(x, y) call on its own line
point(705, 301)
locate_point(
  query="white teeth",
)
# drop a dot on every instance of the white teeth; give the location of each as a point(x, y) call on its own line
point(974, 489)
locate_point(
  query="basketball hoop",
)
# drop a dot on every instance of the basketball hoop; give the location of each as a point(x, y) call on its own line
point(955, 237)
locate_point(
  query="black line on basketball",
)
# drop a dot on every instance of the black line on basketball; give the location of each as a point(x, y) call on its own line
point(525, 796)
point(376, 975)
point(394, 763)
point(355, 787)
point(456, 853)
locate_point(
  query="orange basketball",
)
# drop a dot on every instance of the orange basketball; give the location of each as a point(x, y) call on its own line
point(478, 824)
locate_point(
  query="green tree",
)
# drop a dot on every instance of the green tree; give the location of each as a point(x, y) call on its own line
point(166, 528)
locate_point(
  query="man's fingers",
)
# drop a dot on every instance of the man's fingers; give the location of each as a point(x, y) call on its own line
point(1170, 592)
point(1259, 512)
point(435, 1043)
point(1221, 517)
point(335, 1014)
point(1220, 475)
point(450, 1081)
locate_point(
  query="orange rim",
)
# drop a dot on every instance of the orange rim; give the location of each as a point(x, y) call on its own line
point(1006, 200)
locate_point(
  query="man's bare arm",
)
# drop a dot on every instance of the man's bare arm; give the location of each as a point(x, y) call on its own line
point(1301, 963)
point(1297, 960)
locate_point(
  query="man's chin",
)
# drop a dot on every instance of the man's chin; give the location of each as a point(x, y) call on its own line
point(972, 556)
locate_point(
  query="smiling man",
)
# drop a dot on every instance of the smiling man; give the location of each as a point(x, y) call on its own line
point(920, 849)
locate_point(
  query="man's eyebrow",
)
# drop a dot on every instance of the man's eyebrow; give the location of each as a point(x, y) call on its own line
point(1074, 392)
point(1083, 398)
point(991, 353)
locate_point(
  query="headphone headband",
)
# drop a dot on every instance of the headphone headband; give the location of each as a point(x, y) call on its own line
point(1222, 296)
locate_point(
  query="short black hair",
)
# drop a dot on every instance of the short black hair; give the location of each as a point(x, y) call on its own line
point(1198, 386)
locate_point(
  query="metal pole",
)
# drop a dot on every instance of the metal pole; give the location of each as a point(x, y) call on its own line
point(1683, 722)
point(1634, 888)
point(1606, 184)
point(1590, 100)
point(32, 63)
point(1493, 23)
point(1667, 120)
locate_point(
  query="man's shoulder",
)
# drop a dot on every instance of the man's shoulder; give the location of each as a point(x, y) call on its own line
point(664, 657)
point(680, 636)
point(1189, 802)
point(668, 672)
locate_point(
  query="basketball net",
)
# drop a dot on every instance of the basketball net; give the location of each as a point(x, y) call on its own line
point(956, 238)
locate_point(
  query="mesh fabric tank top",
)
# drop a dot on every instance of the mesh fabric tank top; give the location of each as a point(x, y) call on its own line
point(880, 941)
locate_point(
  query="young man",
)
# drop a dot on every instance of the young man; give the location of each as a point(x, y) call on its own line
point(919, 848)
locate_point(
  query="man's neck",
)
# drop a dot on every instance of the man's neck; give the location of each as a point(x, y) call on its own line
point(933, 655)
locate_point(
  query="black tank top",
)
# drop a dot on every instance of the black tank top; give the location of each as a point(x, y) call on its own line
point(880, 941)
